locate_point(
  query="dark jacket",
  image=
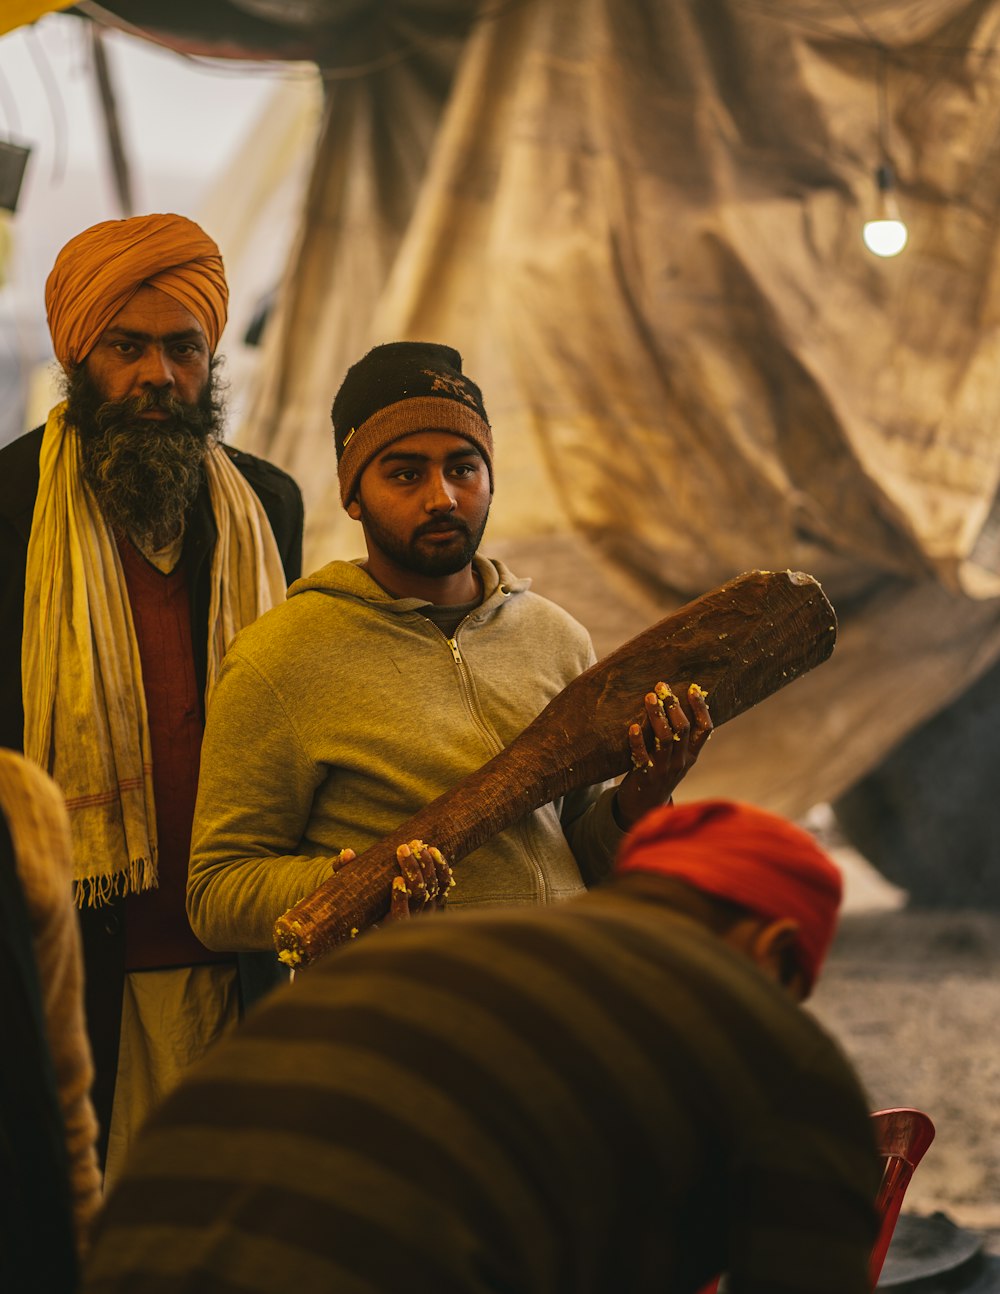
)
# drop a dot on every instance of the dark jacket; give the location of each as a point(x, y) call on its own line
point(276, 490)
point(103, 928)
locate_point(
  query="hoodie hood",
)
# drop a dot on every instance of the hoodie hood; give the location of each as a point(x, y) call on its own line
point(351, 580)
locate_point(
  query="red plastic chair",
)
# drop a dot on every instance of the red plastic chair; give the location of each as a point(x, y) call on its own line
point(902, 1137)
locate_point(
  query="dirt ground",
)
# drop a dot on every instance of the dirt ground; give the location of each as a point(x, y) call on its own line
point(914, 999)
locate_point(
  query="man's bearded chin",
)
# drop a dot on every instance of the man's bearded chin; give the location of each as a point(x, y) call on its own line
point(143, 472)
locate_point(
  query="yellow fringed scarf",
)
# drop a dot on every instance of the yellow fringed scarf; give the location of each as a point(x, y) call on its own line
point(84, 709)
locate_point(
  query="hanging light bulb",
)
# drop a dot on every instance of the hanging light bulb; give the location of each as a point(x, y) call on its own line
point(886, 235)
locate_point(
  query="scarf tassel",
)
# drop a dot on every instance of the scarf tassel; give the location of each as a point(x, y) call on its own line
point(96, 891)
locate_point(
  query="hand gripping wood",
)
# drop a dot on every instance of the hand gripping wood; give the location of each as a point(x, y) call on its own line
point(740, 642)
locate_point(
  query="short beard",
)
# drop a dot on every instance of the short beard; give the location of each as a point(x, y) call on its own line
point(408, 557)
point(144, 474)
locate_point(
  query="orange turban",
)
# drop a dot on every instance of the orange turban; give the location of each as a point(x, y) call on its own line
point(751, 857)
point(98, 272)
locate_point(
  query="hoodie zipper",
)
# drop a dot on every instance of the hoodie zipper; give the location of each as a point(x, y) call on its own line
point(453, 642)
point(492, 739)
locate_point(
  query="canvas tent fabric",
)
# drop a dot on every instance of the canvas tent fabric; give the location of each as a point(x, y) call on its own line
point(640, 223)
point(639, 220)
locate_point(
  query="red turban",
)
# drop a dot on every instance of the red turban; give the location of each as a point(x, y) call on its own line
point(748, 856)
point(98, 272)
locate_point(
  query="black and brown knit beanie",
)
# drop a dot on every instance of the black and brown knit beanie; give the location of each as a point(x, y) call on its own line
point(396, 390)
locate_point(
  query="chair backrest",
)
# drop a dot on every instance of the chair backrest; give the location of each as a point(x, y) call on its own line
point(902, 1137)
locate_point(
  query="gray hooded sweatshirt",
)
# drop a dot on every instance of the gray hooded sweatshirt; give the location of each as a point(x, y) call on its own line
point(342, 712)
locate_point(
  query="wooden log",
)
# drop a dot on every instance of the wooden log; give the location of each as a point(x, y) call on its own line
point(740, 642)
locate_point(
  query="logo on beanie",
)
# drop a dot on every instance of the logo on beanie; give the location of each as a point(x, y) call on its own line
point(453, 385)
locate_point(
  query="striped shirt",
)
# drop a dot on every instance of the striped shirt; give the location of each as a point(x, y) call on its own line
point(596, 1096)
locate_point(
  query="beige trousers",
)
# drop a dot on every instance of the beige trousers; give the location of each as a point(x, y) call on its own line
point(169, 1019)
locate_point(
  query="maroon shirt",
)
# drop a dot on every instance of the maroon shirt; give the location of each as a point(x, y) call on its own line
point(157, 933)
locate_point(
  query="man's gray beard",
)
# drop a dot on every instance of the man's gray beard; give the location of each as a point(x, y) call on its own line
point(144, 473)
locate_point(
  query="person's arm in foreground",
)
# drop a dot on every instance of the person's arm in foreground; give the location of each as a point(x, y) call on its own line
point(44, 865)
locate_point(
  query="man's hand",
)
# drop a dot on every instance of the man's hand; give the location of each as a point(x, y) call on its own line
point(663, 748)
point(424, 884)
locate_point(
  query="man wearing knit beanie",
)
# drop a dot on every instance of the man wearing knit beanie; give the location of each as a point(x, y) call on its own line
point(618, 1093)
point(382, 682)
point(399, 389)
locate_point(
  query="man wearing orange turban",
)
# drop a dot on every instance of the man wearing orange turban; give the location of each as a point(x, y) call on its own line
point(99, 271)
point(133, 546)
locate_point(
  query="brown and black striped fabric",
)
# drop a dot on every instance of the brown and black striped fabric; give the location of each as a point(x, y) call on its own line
point(599, 1096)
